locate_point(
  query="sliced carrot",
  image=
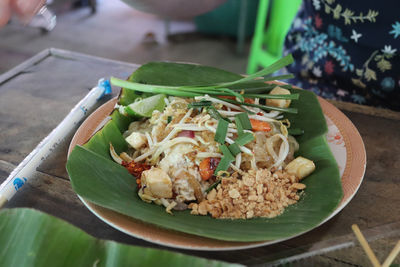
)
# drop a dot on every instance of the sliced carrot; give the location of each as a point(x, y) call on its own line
point(258, 125)
point(207, 167)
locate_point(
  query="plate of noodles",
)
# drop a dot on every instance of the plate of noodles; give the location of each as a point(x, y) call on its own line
point(196, 157)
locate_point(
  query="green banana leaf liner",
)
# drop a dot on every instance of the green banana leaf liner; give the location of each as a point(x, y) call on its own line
point(98, 179)
point(32, 238)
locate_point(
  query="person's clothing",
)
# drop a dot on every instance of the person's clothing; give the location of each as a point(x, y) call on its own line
point(348, 50)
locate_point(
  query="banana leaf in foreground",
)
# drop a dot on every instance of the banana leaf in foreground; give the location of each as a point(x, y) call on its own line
point(96, 178)
point(32, 238)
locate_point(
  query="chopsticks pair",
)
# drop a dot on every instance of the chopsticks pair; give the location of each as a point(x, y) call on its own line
point(23, 172)
point(371, 255)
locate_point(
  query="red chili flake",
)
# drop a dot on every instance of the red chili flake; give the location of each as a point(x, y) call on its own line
point(136, 168)
point(259, 113)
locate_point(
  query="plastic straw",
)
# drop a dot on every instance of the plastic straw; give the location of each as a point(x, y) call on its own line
point(24, 171)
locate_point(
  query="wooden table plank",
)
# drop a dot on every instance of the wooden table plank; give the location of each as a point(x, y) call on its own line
point(39, 93)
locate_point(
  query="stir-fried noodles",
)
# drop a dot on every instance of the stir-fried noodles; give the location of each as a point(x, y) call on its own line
point(178, 162)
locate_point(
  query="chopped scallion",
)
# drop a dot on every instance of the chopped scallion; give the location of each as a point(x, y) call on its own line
point(226, 160)
point(227, 90)
point(268, 96)
point(264, 107)
point(227, 153)
point(244, 138)
point(234, 149)
point(169, 119)
point(215, 114)
point(266, 71)
point(244, 120)
point(222, 130)
point(223, 165)
point(242, 84)
point(200, 104)
point(239, 126)
point(214, 185)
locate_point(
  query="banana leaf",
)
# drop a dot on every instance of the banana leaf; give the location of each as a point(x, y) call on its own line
point(32, 238)
point(99, 180)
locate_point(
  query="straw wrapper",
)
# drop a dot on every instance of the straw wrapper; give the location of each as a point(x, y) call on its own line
point(22, 173)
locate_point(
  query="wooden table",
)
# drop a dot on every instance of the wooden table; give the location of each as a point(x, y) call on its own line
point(36, 95)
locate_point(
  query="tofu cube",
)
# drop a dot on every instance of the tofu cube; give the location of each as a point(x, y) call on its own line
point(156, 183)
point(301, 167)
point(136, 140)
point(280, 103)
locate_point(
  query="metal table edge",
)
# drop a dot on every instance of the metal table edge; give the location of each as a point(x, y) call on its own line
point(66, 54)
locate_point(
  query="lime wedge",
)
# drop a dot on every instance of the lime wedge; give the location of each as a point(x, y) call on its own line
point(145, 107)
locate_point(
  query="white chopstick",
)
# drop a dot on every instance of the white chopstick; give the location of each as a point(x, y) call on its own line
point(23, 172)
point(365, 246)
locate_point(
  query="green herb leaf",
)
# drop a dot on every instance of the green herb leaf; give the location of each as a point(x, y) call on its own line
point(78, 247)
point(234, 149)
point(217, 89)
point(200, 104)
point(154, 89)
point(226, 152)
point(169, 119)
point(265, 87)
point(222, 130)
point(275, 78)
point(214, 185)
point(266, 71)
point(244, 138)
point(244, 120)
point(223, 165)
point(263, 107)
point(231, 92)
point(226, 160)
point(268, 96)
point(215, 114)
point(239, 126)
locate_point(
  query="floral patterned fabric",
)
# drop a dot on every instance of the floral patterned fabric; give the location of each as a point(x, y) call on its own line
point(348, 50)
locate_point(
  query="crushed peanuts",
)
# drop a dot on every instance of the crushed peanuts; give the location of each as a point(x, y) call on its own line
point(259, 193)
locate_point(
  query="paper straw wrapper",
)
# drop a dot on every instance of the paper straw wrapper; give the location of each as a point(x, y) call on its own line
point(23, 172)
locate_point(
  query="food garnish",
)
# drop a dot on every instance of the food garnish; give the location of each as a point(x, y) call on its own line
point(215, 148)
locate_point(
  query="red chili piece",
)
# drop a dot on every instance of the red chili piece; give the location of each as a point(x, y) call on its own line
point(136, 168)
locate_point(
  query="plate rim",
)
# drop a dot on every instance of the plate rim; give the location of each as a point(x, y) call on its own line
point(328, 109)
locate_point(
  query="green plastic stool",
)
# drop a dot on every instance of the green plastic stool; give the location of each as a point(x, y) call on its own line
point(267, 44)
